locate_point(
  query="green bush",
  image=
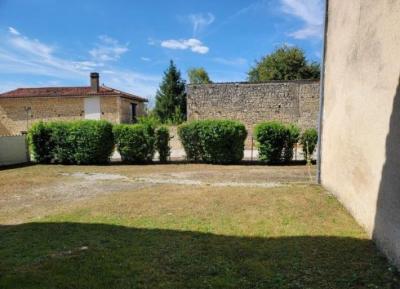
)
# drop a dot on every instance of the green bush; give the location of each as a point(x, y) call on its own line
point(135, 142)
point(271, 137)
point(293, 134)
point(77, 142)
point(41, 143)
point(309, 140)
point(213, 141)
point(190, 139)
point(162, 143)
point(92, 141)
point(64, 149)
point(149, 119)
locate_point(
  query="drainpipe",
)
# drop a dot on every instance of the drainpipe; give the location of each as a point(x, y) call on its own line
point(322, 94)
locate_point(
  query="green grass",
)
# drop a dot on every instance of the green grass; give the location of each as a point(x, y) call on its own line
point(177, 236)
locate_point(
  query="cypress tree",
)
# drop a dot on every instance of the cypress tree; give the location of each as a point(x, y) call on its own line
point(171, 97)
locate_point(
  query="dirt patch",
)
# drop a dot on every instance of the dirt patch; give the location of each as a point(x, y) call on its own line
point(96, 176)
point(34, 192)
point(177, 181)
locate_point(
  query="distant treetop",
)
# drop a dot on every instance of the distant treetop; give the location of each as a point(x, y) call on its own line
point(198, 76)
point(285, 63)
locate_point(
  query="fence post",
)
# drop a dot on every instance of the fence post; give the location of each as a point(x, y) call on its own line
point(251, 154)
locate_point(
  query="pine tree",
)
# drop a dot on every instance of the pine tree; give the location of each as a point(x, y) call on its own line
point(171, 97)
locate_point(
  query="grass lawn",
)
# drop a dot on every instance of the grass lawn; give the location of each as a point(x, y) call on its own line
point(180, 226)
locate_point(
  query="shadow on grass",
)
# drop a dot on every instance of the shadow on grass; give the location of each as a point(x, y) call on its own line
point(78, 255)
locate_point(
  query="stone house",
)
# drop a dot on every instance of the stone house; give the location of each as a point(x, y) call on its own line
point(21, 107)
point(251, 103)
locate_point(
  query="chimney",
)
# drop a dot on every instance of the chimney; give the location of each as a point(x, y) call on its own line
point(94, 81)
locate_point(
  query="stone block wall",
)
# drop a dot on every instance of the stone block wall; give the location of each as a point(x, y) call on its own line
point(14, 118)
point(126, 110)
point(287, 101)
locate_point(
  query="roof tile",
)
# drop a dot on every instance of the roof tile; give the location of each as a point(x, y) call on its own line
point(66, 92)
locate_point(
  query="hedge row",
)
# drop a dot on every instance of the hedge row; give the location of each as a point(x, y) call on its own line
point(275, 141)
point(93, 142)
point(213, 141)
point(77, 142)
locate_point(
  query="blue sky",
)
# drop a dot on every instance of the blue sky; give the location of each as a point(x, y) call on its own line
point(57, 43)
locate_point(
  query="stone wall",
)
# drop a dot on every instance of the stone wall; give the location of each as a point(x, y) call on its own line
point(251, 103)
point(14, 118)
point(126, 110)
point(109, 108)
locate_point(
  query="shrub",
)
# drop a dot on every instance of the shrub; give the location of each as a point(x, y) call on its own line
point(64, 149)
point(41, 143)
point(213, 141)
point(92, 142)
point(77, 142)
point(162, 143)
point(309, 140)
point(271, 137)
point(190, 139)
point(293, 134)
point(149, 119)
point(135, 142)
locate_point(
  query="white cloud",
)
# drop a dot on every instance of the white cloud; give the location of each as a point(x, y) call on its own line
point(146, 59)
point(193, 44)
point(310, 12)
point(239, 61)
point(23, 56)
point(108, 49)
point(14, 31)
point(200, 21)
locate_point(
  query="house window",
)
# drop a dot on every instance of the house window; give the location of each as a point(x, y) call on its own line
point(133, 112)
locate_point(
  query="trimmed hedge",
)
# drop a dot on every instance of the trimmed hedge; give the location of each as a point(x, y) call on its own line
point(213, 141)
point(271, 138)
point(275, 141)
point(309, 140)
point(135, 142)
point(190, 139)
point(293, 134)
point(41, 142)
point(76, 142)
point(162, 143)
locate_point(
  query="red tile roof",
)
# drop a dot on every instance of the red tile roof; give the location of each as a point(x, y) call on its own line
point(67, 92)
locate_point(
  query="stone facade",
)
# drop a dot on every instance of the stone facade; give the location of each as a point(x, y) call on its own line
point(15, 118)
point(287, 101)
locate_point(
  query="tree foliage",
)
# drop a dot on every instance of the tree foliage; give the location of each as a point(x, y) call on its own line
point(198, 76)
point(213, 141)
point(171, 97)
point(285, 63)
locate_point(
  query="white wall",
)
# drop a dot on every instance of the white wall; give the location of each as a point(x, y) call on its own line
point(13, 150)
point(360, 151)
